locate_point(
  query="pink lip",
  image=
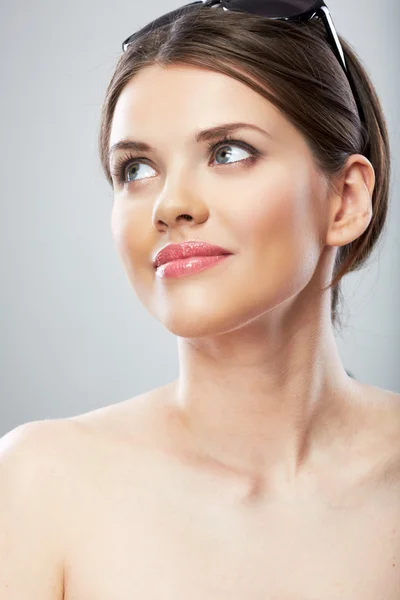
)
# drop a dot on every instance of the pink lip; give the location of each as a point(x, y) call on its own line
point(189, 249)
point(188, 266)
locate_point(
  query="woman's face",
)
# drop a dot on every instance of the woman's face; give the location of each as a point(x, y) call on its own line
point(269, 211)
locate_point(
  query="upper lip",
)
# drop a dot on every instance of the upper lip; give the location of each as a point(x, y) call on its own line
point(186, 250)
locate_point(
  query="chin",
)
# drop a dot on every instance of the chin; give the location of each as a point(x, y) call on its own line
point(207, 321)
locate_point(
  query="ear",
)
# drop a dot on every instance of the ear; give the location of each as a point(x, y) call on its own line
point(350, 201)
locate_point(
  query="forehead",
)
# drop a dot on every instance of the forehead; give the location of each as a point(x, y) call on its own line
point(177, 100)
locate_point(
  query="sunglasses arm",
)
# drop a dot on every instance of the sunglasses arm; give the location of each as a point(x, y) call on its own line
point(324, 14)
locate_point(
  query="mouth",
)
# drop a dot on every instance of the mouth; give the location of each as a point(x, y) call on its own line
point(183, 267)
point(187, 249)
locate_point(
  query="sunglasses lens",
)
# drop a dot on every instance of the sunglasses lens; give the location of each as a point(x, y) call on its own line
point(270, 8)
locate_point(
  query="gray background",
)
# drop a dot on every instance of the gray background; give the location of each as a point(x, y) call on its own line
point(73, 335)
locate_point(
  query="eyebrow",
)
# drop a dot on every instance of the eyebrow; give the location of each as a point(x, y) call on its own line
point(201, 136)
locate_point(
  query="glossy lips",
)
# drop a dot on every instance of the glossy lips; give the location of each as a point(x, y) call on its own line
point(187, 250)
point(177, 260)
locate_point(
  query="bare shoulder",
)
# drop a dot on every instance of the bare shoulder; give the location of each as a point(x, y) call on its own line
point(35, 444)
point(379, 426)
point(42, 459)
point(34, 457)
point(378, 412)
point(32, 509)
point(382, 403)
point(381, 395)
point(137, 420)
point(57, 453)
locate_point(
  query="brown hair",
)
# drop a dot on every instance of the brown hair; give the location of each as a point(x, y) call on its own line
point(292, 66)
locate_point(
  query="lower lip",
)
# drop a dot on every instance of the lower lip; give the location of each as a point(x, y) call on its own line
point(188, 266)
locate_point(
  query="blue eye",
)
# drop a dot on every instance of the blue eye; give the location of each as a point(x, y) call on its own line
point(121, 170)
point(125, 170)
point(231, 145)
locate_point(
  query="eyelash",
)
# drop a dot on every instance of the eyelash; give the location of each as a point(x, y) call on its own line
point(123, 162)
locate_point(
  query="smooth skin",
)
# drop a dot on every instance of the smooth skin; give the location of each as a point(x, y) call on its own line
point(264, 472)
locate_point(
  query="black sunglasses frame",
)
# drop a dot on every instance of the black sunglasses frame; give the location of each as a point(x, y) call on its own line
point(318, 9)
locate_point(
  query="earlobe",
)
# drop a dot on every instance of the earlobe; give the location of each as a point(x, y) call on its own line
point(351, 203)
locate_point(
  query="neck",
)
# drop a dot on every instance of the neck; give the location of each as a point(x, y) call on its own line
point(263, 400)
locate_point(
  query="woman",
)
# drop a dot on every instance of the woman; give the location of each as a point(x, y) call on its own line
point(264, 471)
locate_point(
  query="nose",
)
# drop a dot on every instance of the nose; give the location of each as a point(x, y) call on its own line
point(175, 208)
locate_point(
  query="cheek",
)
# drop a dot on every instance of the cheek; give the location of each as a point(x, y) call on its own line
point(278, 204)
point(278, 229)
point(131, 243)
point(123, 233)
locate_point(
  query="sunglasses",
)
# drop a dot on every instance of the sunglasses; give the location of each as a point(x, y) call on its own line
point(285, 10)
